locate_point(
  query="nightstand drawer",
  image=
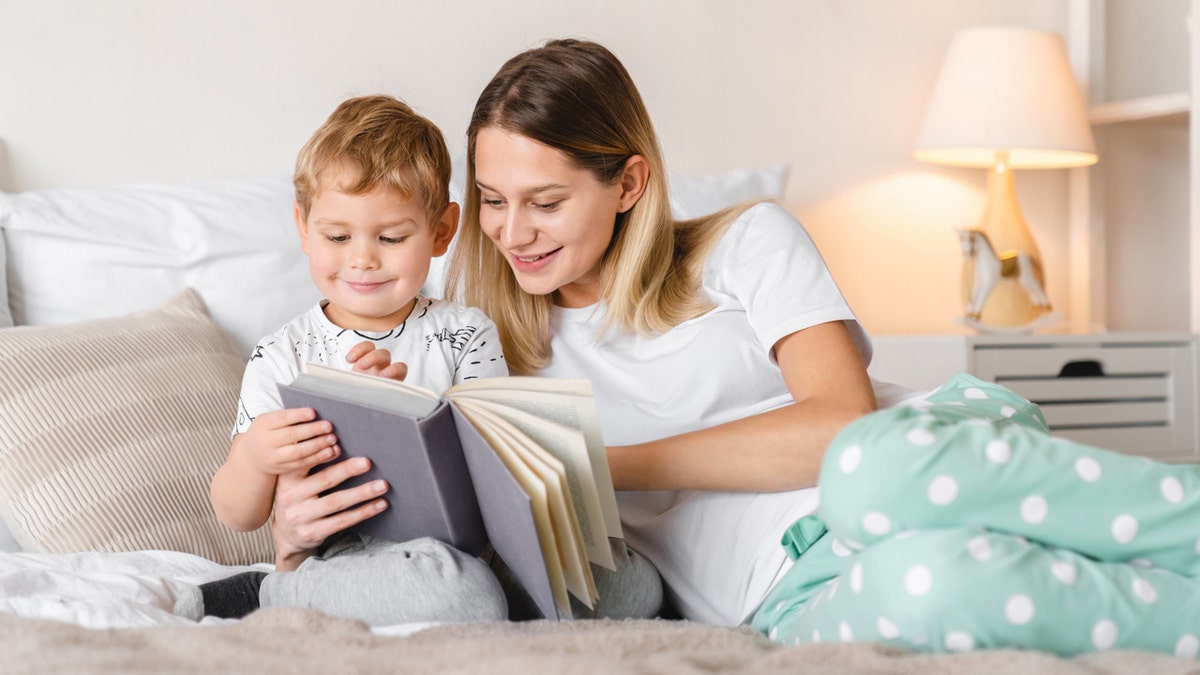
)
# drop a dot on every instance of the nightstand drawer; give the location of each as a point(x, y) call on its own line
point(1134, 396)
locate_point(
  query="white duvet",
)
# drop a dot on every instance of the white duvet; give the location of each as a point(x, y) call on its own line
point(115, 590)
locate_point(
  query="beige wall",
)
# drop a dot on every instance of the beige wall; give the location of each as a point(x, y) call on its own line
point(94, 93)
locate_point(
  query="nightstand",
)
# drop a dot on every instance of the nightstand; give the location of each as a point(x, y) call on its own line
point(1130, 392)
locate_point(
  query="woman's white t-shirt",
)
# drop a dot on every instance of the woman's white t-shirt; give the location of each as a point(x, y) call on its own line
point(718, 552)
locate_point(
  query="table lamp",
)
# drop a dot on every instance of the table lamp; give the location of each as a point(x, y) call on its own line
point(1005, 99)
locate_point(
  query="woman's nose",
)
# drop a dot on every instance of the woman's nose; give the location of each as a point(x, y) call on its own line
point(516, 231)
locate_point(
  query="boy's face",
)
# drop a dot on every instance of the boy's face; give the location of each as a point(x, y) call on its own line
point(369, 253)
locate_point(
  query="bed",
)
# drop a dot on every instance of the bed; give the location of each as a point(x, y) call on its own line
point(130, 312)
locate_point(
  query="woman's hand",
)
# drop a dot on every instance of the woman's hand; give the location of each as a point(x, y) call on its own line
point(304, 518)
point(365, 357)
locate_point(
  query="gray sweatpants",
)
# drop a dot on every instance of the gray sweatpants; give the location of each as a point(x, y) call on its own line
point(385, 583)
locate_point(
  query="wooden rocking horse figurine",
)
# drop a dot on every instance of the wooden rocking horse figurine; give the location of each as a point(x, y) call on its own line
point(991, 267)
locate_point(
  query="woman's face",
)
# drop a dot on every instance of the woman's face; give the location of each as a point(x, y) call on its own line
point(551, 220)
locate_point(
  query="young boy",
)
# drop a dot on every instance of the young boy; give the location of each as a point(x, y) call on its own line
point(372, 208)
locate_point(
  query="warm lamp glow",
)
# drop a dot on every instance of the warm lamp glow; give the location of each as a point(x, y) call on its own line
point(1005, 99)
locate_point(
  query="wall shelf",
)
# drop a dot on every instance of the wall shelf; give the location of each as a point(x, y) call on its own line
point(1173, 108)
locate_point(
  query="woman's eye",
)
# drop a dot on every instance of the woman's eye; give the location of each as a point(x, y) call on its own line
point(490, 202)
point(547, 207)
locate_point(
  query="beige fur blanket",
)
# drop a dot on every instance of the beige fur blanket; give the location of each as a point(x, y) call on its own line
point(304, 641)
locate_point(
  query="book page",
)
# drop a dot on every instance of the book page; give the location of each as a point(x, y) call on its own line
point(536, 489)
point(569, 447)
point(573, 410)
point(372, 391)
point(563, 518)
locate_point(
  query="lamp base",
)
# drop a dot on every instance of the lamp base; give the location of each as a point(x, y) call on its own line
point(1042, 321)
point(1002, 281)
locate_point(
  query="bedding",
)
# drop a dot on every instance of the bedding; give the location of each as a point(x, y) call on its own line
point(185, 266)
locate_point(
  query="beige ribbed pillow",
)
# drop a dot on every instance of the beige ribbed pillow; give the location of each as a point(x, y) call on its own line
point(110, 431)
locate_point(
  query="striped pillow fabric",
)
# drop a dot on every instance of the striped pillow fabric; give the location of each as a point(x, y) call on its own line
point(111, 429)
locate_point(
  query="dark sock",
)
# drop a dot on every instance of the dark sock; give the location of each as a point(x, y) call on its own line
point(232, 597)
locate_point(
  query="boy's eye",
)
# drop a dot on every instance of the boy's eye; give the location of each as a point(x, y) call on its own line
point(393, 240)
point(337, 238)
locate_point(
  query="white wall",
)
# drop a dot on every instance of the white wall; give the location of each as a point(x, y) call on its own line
point(95, 92)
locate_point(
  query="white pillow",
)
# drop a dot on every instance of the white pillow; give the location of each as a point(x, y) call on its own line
point(80, 254)
point(5, 318)
point(699, 195)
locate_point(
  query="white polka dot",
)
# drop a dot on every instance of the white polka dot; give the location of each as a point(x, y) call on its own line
point(1019, 610)
point(942, 490)
point(1141, 562)
point(999, 451)
point(980, 548)
point(974, 393)
point(1172, 489)
point(1065, 572)
point(1197, 546)
point(1034, 509)
point(1145, 591)
point(1008, 411)
point(816, 636)
point(918, 580)
point(887, 629)
point(782, 604)
point(922, 405)
point(1104, 634)
point(921, 437)
point(844, 632)
point(958, 641)
point(1088, 469)
point(850, 459)
point(854, 545)
point(1124, 528)
point(840, 549)
point(856, 578)
point(876, 523)
point(1188, 646)
point(772, 633)
point(834, 585)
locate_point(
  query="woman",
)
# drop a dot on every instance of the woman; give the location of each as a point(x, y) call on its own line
point(724, 361)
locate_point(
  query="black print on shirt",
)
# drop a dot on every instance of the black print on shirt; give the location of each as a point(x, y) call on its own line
point(457, 339)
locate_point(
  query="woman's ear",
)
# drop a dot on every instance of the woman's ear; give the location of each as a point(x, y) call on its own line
point(634, 179)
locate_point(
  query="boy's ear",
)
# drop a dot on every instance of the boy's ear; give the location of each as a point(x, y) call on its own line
point(444, 229)
point(634, 179)
point(301, 226)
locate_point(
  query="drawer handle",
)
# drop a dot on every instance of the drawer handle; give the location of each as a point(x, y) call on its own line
point(1084, 368)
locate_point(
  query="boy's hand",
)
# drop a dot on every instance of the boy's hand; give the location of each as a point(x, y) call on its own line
point(365, 357)
point(287, 441)
point(308, 509)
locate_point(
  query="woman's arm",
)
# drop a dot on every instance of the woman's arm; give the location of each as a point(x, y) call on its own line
point(777, 450)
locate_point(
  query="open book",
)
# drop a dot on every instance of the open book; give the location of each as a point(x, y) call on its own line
point(517, 462)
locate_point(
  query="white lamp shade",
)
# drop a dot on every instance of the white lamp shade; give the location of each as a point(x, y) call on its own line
point(1007, 90)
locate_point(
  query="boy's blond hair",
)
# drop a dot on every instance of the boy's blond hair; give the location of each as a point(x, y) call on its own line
point(383, 142)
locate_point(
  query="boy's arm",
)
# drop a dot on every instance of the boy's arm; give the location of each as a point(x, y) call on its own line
point(277, 442)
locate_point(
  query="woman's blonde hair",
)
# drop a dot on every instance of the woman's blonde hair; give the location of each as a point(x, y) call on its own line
point(576, 96)
point(387, 143)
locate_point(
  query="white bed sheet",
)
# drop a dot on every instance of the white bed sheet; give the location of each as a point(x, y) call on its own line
point(116, 590)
